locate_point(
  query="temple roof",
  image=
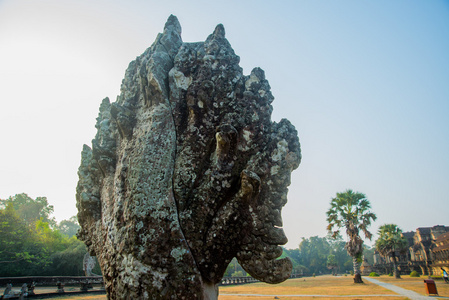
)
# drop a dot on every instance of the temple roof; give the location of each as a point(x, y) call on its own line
point(424, 230)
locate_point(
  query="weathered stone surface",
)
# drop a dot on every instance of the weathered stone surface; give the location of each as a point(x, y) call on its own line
point(186, 171)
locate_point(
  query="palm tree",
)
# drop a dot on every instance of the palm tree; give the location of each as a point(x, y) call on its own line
point(389, 242)
point(351, 210)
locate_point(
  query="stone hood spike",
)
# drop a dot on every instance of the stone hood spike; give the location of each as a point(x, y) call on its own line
point(173, 24)
point(219, 31)
point(186, 171)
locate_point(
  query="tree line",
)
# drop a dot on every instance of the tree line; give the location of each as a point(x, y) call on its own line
point(315, 255)
point(323, 255)
point(32, 243)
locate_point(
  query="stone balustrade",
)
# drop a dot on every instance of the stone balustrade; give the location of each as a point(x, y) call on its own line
point(28, 284)
point(237, 280)
point(84, 282)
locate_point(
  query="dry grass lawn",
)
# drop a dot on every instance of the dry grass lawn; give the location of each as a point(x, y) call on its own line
point(324, 286)
point(416, 284)
point(321, 285)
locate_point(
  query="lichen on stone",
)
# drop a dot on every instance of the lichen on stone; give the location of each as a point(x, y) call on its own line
point(186, 171)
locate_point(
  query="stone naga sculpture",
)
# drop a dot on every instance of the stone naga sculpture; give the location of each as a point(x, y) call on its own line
point(186, 172)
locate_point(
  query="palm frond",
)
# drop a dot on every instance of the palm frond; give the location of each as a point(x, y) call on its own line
point(390, 240)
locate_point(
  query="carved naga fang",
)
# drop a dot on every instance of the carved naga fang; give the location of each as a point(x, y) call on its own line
point(186, 171)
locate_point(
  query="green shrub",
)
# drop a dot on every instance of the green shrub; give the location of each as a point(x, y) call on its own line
point(390, 274)
point(373, 274)
point(414, 274)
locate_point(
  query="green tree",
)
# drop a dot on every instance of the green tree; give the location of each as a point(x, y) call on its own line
point(338, 249)
point(390, 242)
point(238, 274)
point(31, 249)
point(313, 254)
point(351, 210)
point(234, 267)
point(69, 262)
point(15, 238)
point(293, 254)
point(32, 245)
point(69, 227)
point(25, 249)
point(49, 242)
point(31, 210)
point(332, 264)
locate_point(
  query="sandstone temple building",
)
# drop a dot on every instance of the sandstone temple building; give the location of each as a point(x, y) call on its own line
point(427, 253)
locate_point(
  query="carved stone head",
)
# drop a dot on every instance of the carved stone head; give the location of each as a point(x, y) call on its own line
point(187, 171)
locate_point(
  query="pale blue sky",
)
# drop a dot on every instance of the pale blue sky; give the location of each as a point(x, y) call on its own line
point(364, 82)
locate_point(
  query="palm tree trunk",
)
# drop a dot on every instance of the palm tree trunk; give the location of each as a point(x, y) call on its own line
point(395, 267)
point(357, 275)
